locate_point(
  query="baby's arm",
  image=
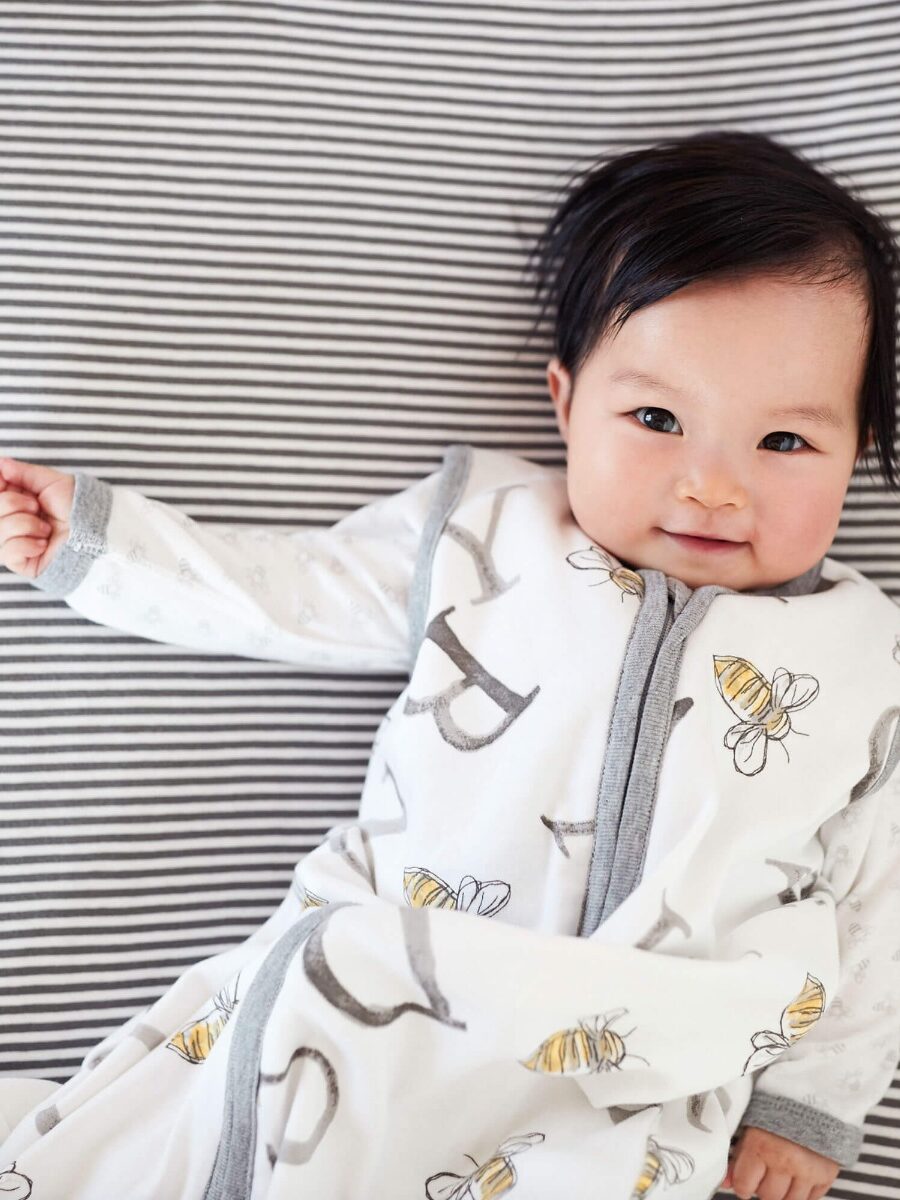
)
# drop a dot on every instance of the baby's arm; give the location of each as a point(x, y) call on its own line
point(335, 598)
point(818, 1092)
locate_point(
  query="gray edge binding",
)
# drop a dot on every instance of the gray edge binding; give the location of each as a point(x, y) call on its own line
point(88, 522)
point(451, 485)
point(231, 1174)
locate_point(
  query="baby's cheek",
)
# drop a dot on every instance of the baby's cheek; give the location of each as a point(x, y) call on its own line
point(801, 527)
point(590, 509)
point(606, 506)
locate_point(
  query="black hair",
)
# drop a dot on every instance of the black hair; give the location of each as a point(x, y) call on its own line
point(634, 229)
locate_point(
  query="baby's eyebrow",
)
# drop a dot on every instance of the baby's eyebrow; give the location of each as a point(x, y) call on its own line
point(821, 414)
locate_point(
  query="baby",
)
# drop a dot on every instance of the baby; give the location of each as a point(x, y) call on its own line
point(674, 793)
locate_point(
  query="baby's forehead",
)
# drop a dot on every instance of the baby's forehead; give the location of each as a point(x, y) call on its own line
point(772, 364)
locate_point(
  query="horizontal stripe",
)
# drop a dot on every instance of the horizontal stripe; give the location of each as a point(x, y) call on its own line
point(356, 302)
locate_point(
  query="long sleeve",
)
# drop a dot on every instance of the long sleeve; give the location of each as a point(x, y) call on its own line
point(336, 598)
point(819, 1090)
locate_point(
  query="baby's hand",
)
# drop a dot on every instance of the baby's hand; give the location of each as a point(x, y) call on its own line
point(774, 1168)
point(35, 506)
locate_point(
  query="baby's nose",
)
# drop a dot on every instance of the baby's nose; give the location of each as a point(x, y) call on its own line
point(713, 485)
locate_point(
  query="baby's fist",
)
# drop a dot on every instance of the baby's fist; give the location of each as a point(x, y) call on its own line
point(775, 1168)
point(35, 506)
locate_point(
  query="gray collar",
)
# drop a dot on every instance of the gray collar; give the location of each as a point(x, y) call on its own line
point(800, 585)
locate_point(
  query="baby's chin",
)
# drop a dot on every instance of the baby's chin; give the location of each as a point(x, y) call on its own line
point(728, 568)
point(735, 569)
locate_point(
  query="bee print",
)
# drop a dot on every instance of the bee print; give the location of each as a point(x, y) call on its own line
point(308, 898)
point(424, 889)
point(763, 707)
point(496, 1177)
point(595, 559)
point(195, 1040)
point(796, 1020)
point(13, 1185)
point(585, 1050)
point(673, 1165)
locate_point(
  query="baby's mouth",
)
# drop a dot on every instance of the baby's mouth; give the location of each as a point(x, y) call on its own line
point(704, 545)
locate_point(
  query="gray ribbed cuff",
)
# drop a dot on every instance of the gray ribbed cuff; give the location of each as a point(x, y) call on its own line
point(810, 1127)
point(88, 521)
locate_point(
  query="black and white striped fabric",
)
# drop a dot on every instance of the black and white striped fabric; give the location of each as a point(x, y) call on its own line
point(264, 261)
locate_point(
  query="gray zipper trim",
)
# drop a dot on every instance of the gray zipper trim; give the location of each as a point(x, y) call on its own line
point(648, 628)
point(639, 728)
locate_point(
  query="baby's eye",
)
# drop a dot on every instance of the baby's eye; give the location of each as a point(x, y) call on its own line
point(647, 424)
point(780, 434)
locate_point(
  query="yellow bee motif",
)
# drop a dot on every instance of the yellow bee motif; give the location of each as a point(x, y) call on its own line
point(796, 1020)
point(195, 1040)
point(310, 899)
point(674, 1165)
point(496, 1176)
point(585, 1050)
point(595, 559)
point(424, 889)
point(763, 707)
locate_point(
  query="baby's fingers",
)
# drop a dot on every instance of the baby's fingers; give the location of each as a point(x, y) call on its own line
point(747, 1173)
point(23, 540)
point(28, 477)
point(45, 490)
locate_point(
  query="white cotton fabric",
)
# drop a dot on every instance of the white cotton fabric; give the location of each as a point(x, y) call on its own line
point(459, 891)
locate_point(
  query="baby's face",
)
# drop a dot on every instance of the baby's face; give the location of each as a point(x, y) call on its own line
point(714, 456)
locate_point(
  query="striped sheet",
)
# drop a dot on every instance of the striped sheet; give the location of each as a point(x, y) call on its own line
point(263, 262)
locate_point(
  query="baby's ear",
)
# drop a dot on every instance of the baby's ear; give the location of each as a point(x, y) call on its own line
point(560, 386)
